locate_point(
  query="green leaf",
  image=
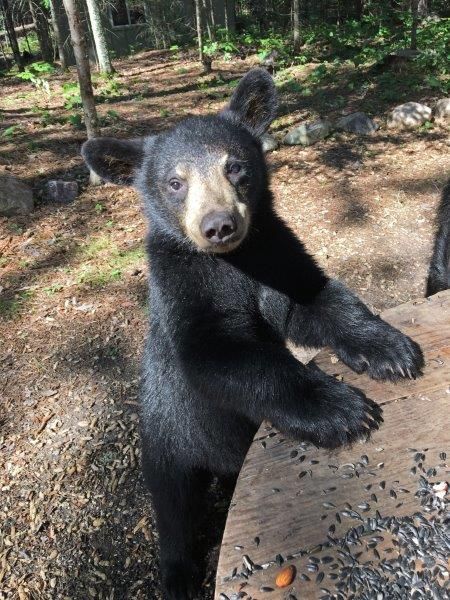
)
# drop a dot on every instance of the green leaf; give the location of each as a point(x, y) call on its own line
point(10, 131)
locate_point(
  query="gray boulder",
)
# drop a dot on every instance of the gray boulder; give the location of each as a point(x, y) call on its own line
point(308, 134)
point(61, 191)
point(16, 198)
point(269, 143)
point(409, 115)
point(442, 111)
point(357, 122)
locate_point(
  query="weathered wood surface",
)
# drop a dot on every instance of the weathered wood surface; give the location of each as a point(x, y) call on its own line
point(288, 494)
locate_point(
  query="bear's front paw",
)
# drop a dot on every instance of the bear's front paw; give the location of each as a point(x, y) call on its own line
point(332, 414)
point(180, 579)
point(388, 354)
point(343, 415)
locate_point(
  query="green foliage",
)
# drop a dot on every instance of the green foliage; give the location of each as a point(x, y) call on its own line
point(9, 132)
point(76, 120)
point(227, 45)
point(112, 88)
point(433, 41)
point(45, 117)
point(274, 41)
point(104, 262)
point(107, 86)
point(426, 126)
point(291, 85)
point(53, 289)
point(318, 74)
point(222, 46)
point(372, 38)
point(71, 95)
point(112, 116)
point(35, 73)
point(33, 43)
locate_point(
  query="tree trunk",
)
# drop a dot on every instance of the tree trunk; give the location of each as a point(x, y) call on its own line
point(98, 33)
point(296, 23)
point(415, 21)
point(198, 18)
point(359, 9)
point(9, 26)
point(205, 19)
point(77, 34)
point(42, 33)
point(230, 15)
point(422, 9)
point(225, 17)
point(2, 50)
point(56, 16)
point(24, 34)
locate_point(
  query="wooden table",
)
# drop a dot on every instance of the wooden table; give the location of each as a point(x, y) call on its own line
point(292, 500)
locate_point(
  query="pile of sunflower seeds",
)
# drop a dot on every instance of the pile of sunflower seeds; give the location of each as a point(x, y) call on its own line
point(417, 569)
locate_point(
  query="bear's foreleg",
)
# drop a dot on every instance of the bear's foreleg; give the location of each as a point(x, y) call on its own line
point(263, 380)
point(362, 340)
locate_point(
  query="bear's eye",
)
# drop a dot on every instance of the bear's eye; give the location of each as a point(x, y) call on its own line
point(175, 184)
point(234, 168)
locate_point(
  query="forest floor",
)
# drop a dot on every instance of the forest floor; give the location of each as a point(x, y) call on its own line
point(75, 520)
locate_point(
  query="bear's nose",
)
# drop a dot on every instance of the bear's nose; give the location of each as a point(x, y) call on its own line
point(218, 226)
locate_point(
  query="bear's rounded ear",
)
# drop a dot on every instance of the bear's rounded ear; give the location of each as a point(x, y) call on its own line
point(254, 103)
point(114, 160)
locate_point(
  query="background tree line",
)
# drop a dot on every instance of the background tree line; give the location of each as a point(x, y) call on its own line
point(36, 35)
point(39, 27)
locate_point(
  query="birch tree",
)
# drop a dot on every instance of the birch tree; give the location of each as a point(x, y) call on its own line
point(296, 23)
point(198, 19)
point(98, 32)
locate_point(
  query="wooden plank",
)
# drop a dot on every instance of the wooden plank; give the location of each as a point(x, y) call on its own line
point(276, 512)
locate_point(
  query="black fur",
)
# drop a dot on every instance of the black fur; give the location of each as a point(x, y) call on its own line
point(439, 273)
point(215, 362)
point(246, 107)
point(114, 160)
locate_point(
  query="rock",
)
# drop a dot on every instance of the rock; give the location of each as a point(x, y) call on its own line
point(60, 191)
point(409, 115)
point(16, 198)
point(357, 122)
point(269, 143)
point(308, 134)
point(442, 111)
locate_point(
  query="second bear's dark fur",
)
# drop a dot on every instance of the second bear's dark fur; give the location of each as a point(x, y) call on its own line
point(439, 273)
point(215, 362)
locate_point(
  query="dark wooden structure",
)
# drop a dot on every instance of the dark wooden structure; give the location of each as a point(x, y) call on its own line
point(295, 504)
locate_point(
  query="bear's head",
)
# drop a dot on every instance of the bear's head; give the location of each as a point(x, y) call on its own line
point(203, 180)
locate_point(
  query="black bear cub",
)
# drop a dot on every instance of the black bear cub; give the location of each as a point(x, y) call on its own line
point(229, 284)
point(439, 272)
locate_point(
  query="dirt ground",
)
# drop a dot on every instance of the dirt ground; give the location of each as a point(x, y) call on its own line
point(75, 520)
